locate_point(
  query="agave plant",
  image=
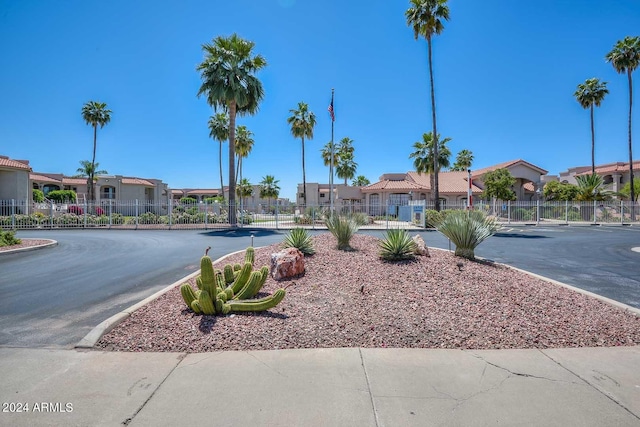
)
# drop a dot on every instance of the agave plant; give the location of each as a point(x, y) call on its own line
point(467, 229)
point(396, 245)
point(343, 228)
point(299, 238)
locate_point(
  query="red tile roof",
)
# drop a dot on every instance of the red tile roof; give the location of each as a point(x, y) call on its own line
point(612, 168)
point(204, 191)
point(42, 178)
point(14, 164)
point(480, 172)
point(78, 181)
point(137, 181)
point(448, 182)
point(386, 184)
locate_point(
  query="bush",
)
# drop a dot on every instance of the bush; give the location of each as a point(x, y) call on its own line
point(217, 199)
point(8, 238)
point(75, 210)
point(343, 228)
point(433, 218)
point(300, 239)
point(188, 200)
point(38, 196)
point(61, 196)
point(467, 229)
point(396, 245)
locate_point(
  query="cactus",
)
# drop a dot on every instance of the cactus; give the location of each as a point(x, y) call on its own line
point(231, 289)
point(249, 255)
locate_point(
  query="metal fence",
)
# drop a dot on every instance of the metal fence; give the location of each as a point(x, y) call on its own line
point(169, 214)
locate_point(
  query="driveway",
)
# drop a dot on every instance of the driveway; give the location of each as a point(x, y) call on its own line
point(53, 297)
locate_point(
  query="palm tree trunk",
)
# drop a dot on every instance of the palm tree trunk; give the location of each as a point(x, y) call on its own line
point(435, 189)
point(593, 145)
point(304, 179)
point(632, 192)
point(238, 163)
point(91, 188)
point(232, 163)
point(221, 182)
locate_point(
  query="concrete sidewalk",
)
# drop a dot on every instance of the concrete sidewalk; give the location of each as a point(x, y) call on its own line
point(322, 387)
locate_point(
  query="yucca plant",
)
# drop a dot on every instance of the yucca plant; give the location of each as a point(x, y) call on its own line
point(299, 238)
point(343, 228)
point(396, 245)
point(467, 229)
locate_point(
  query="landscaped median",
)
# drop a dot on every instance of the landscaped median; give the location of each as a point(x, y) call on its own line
point(355, 299)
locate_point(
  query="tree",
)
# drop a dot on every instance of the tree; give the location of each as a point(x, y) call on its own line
point(229, 83)
point(591, 188)
point(590, 94)
point(560, 191)
point(346, 167)
point(244, 189)
point(244, 144)
point(360, 181)
point(423, 157)
point(326, 153)
point(219, 130)
point(269, 188)
point(463, 162)
point(302, 122)
point(88, 170)
point(625, 58)
point(94, 113)
point(426, 18)
point(497, 184)
point(625, 191)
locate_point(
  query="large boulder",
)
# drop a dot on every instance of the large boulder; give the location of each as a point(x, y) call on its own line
point(288, 262)
point(420, 248)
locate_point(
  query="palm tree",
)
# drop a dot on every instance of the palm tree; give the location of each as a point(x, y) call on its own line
point(590, 94)
point(426, 18)
point(326, 152)
point(269, 188)
point(360, 181)
point(463, 162)
point(219, 130)
point(229, 83)
point(244, 189)
point(424, 156)
point(88, 170)
point(302, 122)
point(244, 144)
point(95, 113)
point(625, 57)
point(346, 166)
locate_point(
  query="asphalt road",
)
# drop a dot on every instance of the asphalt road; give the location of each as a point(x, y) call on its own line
point(53, 297)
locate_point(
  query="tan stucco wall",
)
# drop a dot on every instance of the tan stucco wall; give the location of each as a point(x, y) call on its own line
point(14, 184)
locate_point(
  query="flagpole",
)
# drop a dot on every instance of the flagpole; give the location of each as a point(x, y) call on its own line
point(331, 167)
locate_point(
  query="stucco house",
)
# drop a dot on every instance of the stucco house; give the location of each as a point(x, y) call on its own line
point(14, 179)
point(615, 175)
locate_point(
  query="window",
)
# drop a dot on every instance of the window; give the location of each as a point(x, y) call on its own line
point(322, 195)
point(48, 188)
point(108, 193)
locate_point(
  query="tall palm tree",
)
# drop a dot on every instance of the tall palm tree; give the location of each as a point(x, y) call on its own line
point(424, 155)
point(244, 189)
point(95, 113)
point(625, 58)
point(346, 166)
point(426, 18)
point(463, 162)
point(326, 152)
point(590, 94)
point(229, 83)
point(302, 122)
point(219, 130)
point(269, 188)
point(360, 181)
point(244, 144)
point(88, 170)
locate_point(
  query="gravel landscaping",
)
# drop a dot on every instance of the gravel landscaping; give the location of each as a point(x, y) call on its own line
point(25, 243)
point(353, 299)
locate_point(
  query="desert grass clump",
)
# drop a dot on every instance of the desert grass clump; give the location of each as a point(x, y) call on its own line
point(467, 229)
point(8, 238)
point(343, 228)
point(299, 238)
point(396, 246)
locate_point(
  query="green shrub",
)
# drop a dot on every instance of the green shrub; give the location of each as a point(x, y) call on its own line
point(217, 199)
point(433, 218)
point(192, 210)
point(299, 238)
point(38, 196)
point(8, 238)
point(188, 200)
point(360, 218)
point(396, 245)
point(467, 229)
point(343, 228)
point(62, 196)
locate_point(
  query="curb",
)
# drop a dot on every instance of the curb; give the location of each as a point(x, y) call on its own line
point(90, 340)
point(609, 301)
point(30, 248)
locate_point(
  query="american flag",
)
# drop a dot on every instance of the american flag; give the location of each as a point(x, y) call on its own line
point(330, 109)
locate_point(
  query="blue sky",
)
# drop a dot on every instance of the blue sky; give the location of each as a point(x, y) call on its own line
point(505, 74)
